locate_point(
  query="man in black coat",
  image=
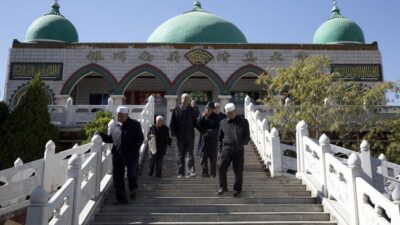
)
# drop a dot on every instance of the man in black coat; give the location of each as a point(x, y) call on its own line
point(127, 137)
point(209, 128)
point(183, 122)
point(217, 111)
point(234, 133)
point(161, 134)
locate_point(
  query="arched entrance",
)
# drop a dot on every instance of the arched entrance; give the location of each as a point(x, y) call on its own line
point(242, 83)
point(90, 85)
point(143, 81)
point(202, 83)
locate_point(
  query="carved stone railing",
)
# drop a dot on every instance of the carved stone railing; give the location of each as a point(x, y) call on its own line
point(349, 184)
point(79, 115)
point(50, 173)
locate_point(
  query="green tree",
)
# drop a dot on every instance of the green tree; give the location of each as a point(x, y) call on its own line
point(393, 149)
point(28, 128)
point(100, 124)
point(343, 110)
point(4, 112)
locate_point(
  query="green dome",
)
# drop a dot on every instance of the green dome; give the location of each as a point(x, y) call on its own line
point(197, 26)
point(339, 30)
point(52, 27)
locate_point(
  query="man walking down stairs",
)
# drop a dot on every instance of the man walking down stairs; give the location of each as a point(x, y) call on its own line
point(169, 200)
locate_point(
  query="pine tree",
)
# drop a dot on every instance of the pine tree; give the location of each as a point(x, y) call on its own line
point(4, 112)
point(27, 129)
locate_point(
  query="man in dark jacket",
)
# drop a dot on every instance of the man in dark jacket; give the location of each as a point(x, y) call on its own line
point(161, 134)
point(233, 135)
point(127, 137)
point(209, 128)
point(183, 122)
point(217, 111)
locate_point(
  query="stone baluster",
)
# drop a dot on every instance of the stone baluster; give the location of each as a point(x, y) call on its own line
point(74, 171)
point(396, 200)
point(276, 153)
point(97, 147)
point(301, 131)
point(370, 170)
point(247, 102)
point(69, 112)
point(50, 164)
point(325, 145)
point(264, 139)
point(354, 164)
point(37, 210)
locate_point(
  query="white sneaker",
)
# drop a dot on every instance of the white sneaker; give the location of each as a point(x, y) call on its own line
point(191, 175)
point(180, 176)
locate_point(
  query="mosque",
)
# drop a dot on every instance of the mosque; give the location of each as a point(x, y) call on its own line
point(195, 52)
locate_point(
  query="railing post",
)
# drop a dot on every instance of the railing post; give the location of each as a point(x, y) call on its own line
point(74, 171)
point(396, 201)
point(301, 131)
point(69, 111)
point(257, 125)
point(247, 102)
point(354, 164)
point(49, 166)
point(110, 106)
point(151, 109)
point(370, 170)
point(325, 145)
point(264, 141)
point(276, 153)
point(37, 210)
point(96, 147)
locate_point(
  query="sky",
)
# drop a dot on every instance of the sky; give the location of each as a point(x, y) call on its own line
point(262, 21)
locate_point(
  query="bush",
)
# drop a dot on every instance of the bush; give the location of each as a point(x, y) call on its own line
point(27, 129)
point(100, 124)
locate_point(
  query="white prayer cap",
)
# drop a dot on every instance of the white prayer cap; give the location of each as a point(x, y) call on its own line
point(122, 109)
point(229, 107)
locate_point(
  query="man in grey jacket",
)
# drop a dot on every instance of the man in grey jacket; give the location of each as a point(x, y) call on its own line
point(234, 133)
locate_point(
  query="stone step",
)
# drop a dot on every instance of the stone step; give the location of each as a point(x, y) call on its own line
point(193, 187)
point(212, 192)
point(226, 223)
point(217, 208)
point(211, 180)
point(225, 199)
point(211, 217)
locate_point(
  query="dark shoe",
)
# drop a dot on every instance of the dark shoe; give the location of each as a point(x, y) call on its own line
point(132, 194)
point(205, 175)
point(236, 194)
point(121, 202)
point(221, 191)
point(213, 175)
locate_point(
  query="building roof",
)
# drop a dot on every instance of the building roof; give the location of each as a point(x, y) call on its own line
point(52, 27)
point(197, 26)
point(339, 30)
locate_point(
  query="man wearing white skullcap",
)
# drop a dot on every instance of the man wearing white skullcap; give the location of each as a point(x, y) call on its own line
point(127, 138)
point(234, 133)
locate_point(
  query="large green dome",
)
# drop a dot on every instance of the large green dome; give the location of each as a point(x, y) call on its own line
point(52, 27)
point(339, 30)
point(197, 26)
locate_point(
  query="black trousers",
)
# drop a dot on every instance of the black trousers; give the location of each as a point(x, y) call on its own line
point(185, 149)
point(119, 175)
point(156, 162)
point(225, 159)
point(209, 154)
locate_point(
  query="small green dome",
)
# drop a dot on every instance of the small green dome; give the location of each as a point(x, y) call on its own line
point(52, 27)
point(197, 26)
point(339, 30)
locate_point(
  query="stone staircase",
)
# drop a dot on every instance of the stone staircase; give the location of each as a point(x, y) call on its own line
point(169, 200)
